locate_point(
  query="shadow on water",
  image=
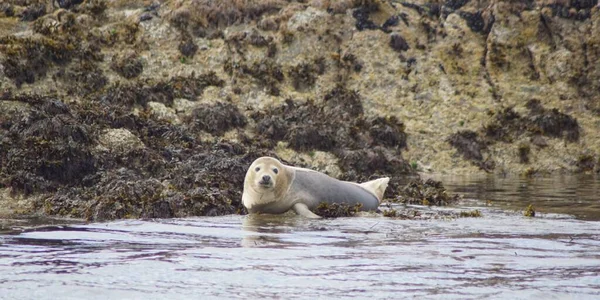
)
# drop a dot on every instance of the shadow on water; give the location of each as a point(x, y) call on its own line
point(502, 255)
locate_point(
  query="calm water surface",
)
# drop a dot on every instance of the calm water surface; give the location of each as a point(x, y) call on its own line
point(502, 255)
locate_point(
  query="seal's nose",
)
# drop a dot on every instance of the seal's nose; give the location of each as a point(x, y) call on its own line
point(266, 178)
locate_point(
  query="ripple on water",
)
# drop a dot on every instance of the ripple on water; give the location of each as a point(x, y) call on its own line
point(501, 255)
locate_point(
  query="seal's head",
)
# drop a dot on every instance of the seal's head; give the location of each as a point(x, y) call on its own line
point(265, 171)
point(267, 180)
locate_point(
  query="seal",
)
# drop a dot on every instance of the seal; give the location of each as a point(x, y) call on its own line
point(274, 188)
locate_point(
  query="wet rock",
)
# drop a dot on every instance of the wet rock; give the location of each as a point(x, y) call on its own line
point(359, 101)
point(218, 15)
point(539, 141)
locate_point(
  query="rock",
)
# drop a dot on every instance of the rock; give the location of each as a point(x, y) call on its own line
point(96, 101)
point(162, 112)
point(118, 141)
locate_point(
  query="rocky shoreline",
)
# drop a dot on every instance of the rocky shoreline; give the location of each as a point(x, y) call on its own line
point(129, 109)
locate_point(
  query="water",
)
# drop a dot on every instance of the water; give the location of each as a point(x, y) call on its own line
point(502, 255)
point(575, 195)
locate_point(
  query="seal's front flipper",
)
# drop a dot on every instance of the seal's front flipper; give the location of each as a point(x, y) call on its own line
point(302, 209)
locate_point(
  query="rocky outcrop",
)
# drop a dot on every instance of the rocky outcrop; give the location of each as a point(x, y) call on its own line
point(114, 109)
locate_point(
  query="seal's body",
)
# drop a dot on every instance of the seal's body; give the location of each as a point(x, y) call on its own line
point(274, 188)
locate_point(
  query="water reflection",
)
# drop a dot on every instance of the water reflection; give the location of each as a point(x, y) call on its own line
point(267, 230)
point(574, 195)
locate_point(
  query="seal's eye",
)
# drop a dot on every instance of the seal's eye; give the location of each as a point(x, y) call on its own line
point(275, 171)
point(257, 169)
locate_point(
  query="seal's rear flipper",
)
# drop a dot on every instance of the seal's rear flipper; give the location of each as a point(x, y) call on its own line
point(377, 187)
point(302, 209)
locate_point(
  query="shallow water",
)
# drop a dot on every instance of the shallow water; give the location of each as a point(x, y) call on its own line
point(501, 255)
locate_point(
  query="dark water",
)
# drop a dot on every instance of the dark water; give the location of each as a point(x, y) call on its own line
point(502, 255)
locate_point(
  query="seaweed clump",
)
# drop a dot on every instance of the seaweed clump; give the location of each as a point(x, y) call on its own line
point(552, 123)
point(28, 59)
point(218, 118)
point(305, 75)
point(336, 210)
point(524, 151)
point(430, 192)
point(470, 145)
point(33, 12)
point(143, 91)
point(585, 163)
point(205, 17)
point(128, 65)
point(398, 43)
point(47, 149)
point(470, 214)
point(81, 78)
point(507, 126)
point(266, 73)
point(530, 211)
point(361, 14)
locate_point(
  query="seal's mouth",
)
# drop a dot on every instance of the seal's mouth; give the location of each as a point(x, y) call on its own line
point(265, 184)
